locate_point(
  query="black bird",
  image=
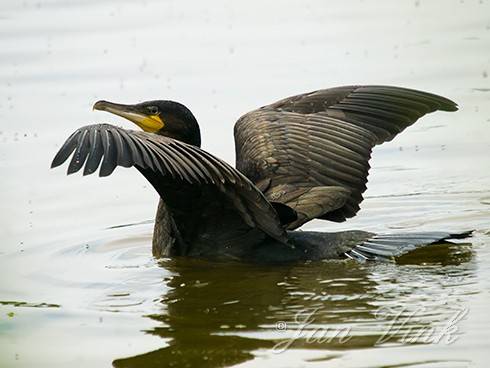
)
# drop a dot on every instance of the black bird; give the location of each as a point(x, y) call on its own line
point(300, 158)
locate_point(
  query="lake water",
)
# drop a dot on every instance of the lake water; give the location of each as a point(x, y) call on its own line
point(78, 285)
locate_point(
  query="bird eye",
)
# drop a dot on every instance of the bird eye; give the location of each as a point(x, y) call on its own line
point(153, 110)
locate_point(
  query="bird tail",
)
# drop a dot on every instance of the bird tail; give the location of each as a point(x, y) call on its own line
point(387, 246)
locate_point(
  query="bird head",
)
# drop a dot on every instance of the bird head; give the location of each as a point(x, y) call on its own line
point(168, 118)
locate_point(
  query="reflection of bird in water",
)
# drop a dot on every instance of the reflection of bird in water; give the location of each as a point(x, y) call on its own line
point(215, 319)
point(298, 159)
point(231, 315)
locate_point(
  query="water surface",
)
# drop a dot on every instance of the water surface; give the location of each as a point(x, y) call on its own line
point(79, 288)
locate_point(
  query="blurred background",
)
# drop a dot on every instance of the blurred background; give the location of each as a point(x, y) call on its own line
point(221, 59)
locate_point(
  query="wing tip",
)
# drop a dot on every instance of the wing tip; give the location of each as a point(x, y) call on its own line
point(56, 162)
point(105, 172)
point(446, 104)
point(450, 108)
point(71, 170)
point(87, 171)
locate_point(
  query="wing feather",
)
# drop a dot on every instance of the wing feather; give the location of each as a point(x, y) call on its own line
point(124, 154)
point(325, 138)
point(203, 193)
point(143, 159)
point(80, 154)
point(67, 149)
point(109, 161)
point(95, 154)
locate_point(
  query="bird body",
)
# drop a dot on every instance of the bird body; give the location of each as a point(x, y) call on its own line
point(301, 158)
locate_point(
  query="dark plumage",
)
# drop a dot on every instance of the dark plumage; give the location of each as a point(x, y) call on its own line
point(300, 158)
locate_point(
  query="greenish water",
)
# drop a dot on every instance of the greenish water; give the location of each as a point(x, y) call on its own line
point(78, 285)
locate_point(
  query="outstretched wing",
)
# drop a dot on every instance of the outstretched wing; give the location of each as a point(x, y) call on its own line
point(311, 151)
point(204, 194)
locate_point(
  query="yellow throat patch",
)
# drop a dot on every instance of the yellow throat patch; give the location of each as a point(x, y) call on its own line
point(150, 123)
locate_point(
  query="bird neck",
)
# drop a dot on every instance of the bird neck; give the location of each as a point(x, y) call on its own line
point(190, 134)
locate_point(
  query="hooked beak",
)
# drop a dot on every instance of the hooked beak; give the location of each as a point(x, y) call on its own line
point(149, 123)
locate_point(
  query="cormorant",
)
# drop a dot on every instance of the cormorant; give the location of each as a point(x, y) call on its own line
point(300, 158)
